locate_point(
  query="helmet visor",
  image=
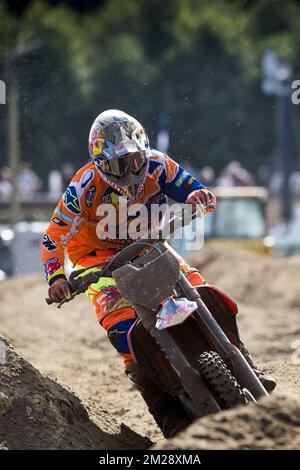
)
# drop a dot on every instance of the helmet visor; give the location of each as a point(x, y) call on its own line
point(132, 162)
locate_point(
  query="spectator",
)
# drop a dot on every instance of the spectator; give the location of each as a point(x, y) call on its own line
point(276, 182)
point(67, 171)
point(6, 187)
point(207, 176)
point(55, 185)
point(28, 182)
point(295, 183)
point(235, 175)
point(263, 175)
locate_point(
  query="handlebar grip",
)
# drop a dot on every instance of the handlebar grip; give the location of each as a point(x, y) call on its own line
point(59, 304)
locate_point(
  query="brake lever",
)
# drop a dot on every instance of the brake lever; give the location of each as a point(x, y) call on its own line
point(64, 301)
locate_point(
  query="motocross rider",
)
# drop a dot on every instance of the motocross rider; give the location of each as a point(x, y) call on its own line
point(122, 165)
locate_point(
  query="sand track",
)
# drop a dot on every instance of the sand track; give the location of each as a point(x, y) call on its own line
point(69, 346)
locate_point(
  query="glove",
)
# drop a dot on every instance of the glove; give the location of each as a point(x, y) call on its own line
point(202, 196)
point(59, 290)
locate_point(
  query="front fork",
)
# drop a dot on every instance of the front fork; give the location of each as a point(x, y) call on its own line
point(221, 344)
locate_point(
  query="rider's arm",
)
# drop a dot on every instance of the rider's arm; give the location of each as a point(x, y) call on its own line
point(175, 182)
point(66, 221)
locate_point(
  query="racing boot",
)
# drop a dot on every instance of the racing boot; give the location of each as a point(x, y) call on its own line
point(267, 380)
point(166, 411)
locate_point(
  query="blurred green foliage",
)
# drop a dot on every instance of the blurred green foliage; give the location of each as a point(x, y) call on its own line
point(197, 61)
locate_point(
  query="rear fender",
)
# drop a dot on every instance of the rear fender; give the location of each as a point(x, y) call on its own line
point(223, 309)
point(220, 297)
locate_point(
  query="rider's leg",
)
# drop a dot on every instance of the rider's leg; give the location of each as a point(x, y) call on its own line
point(106, 299)
point(166, 411)
point(117, 324)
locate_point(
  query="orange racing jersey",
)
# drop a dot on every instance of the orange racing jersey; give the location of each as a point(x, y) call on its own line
point(73, 225)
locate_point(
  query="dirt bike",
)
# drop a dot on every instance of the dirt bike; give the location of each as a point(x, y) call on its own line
point(186, 338)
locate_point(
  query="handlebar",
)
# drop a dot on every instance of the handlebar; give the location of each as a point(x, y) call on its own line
point(183, 218)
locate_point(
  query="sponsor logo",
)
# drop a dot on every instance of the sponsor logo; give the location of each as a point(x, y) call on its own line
point(48, 243)
point(58, 221)
point(71, 200)
point(106, 198)
point(73, 231)
point(113, 296)
point(156, 199)
point(98, 146)
point(86, 178)
point(181, 179)
point(89, 196)
point(52, 266)
point(63, 215)
point(189, 183)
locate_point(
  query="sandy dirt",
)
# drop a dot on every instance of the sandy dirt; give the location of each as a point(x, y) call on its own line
point(69, 346)
point(38, 413)
point(274, 423)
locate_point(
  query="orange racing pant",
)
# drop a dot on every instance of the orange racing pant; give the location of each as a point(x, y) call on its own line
point(115, 314)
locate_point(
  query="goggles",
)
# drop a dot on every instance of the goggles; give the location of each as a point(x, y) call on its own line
point(132, 162)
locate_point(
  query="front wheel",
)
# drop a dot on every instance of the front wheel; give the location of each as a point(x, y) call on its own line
point(220, 381)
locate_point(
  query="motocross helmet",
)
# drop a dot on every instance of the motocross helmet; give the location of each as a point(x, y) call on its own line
point(118, 146)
